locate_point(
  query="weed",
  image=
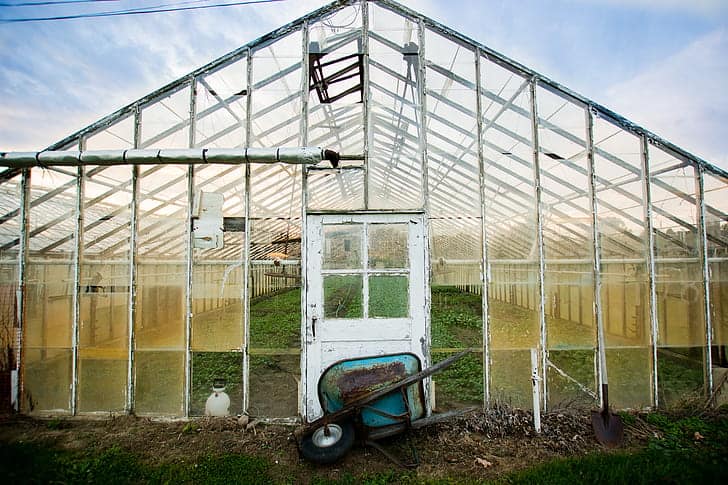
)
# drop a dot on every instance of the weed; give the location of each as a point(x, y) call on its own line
point(55, 423)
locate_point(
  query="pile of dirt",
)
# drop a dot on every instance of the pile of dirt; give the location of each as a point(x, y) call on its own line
point(478, 445)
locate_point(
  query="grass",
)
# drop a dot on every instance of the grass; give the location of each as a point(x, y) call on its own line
point(31, 463)
point(689, 449)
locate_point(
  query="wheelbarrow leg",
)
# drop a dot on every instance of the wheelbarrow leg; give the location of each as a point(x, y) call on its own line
point(415, 458)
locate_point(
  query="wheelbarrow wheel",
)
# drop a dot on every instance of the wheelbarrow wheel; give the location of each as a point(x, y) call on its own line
point(328, 443)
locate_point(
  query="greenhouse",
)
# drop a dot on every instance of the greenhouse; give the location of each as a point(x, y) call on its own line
point(361, 181)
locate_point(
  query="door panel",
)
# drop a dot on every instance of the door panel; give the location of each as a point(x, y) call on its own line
point(366, 291)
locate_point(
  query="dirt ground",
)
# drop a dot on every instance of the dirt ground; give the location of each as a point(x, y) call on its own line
point(481, 445)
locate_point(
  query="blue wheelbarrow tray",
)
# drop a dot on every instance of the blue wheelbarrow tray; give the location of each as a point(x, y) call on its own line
point(350, 380)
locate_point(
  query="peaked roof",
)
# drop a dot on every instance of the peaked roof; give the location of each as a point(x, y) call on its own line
point(368, 76)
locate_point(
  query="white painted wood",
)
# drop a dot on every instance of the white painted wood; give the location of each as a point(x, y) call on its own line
point(330, 340)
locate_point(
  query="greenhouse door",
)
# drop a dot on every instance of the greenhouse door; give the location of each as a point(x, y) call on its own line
point(366, 292)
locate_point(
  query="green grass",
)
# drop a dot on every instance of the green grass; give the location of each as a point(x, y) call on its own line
point(31, 463)
point(678, 455)
point(275, 322)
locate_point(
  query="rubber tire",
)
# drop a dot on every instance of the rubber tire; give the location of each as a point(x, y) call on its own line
point(329, 454)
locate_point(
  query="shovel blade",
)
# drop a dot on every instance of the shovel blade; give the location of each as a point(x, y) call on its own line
point(608, 428)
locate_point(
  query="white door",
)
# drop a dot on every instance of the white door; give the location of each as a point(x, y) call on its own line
point(366, 292)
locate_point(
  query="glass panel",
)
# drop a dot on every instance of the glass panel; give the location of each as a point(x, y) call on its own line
point(511, 378)
point(161, 281)
point(716, 226)
point(336, 190)
point(217, 274)
point(678, 279)
point(388, 296)
point(49, 290)
point(452, 156)
point(102, 380)
point(388, 246)
point(221, 107)
point(395, 152)
point(46, 380)
point(166, 122)
point(571, 378)
point(160, 379)
point(568, 248)
point(104, 292)
point(10, 195)
point(335, 111)
point(511, 228)
point(342, 246)
point(625, 286)
point(276, 93)
point(343, 296)
point(120, 135)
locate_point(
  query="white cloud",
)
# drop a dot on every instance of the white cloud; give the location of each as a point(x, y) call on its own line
point(681, 98)
point(695, 6)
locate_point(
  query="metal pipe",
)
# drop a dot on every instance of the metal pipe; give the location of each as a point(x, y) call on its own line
point(133, 258)
point(189, 253)
point(596, 254)
point(231, 156)
point(539, 237)
point(77, 261)
point(366, 115)
point(483, 233)
point(303, 363)
point(705, 271)
point(20, 293)
point(248, 231)
point(422, 122)
point(651, 271)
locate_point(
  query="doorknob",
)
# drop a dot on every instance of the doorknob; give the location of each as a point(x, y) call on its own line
point(313, 325)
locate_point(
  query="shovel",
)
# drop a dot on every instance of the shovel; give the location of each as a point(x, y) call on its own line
point(607, 426)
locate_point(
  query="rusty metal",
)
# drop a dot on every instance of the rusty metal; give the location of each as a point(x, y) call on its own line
point(358, 382)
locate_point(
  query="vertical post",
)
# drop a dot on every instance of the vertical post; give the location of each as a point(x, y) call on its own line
point(539, 237)
point(484, 269)
point(77, 262)
point(304, 205)
point(133, 256)
point(651, 273)
point(535, 389)
point(366, 95)
point(190, 251)
point(422, 118)
point(422, 121)
point(705, 270)
point(248, 232)
point(596, 255)
point(20, 293)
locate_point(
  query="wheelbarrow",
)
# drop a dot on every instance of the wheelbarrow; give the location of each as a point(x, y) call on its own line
point(372, 398)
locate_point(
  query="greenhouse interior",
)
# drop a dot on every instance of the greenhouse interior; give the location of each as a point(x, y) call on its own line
point(475, 204)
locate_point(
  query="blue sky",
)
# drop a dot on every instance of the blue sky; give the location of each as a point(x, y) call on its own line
point(661, 63)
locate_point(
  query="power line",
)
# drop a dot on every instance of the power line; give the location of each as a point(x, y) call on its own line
point(138, 11)
point(58, 2)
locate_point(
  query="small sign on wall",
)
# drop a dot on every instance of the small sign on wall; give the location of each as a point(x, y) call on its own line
point(207, 222)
